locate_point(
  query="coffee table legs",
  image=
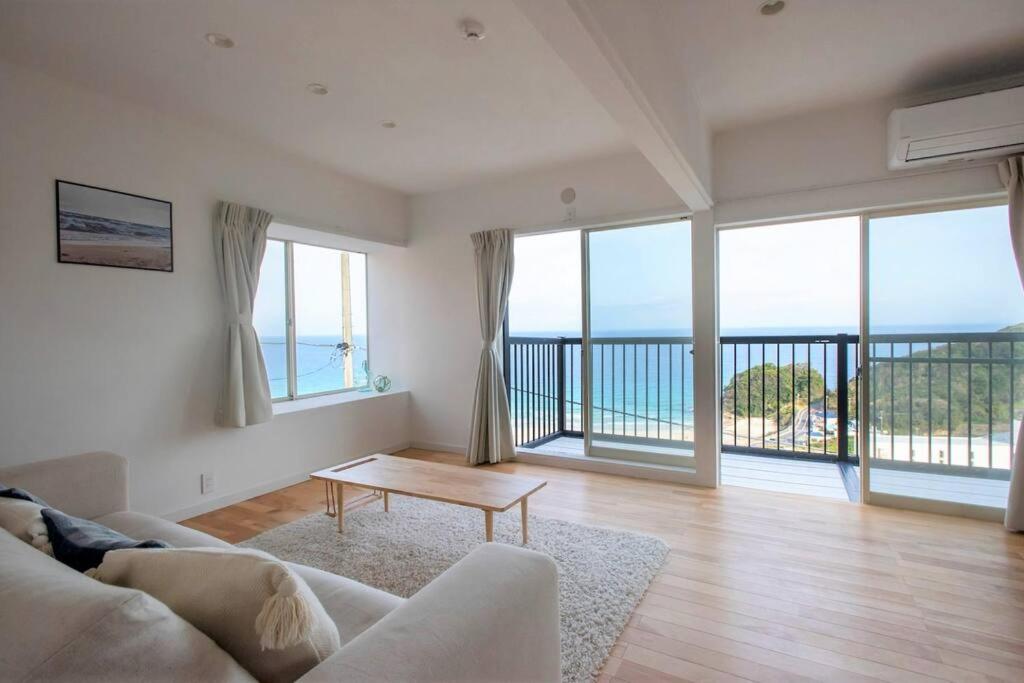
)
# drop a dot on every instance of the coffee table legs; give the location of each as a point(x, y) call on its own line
point(489, 524)
point(339, 490)
point(526, 531)
point(385, 501)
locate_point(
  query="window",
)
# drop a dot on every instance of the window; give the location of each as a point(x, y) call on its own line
point(946, 332)
point(310, 316)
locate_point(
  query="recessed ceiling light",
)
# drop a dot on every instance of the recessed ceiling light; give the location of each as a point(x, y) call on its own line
point(219, 40)
point(772, 7)
point(388, 124)
point(472, 30)
point(317, 88)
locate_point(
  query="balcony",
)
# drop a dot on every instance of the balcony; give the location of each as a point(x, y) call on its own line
point(941, 422)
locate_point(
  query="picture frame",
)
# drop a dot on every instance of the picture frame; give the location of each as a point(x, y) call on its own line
point(97, 226)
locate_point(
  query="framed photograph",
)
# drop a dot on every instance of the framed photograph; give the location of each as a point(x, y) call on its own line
point(100, 227)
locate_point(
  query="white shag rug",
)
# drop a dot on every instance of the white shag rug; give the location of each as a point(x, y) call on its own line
point(603, 573)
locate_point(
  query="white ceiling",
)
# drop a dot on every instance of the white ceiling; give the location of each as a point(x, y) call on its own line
point(468, 111)
point(464, 110)
point(818, 54)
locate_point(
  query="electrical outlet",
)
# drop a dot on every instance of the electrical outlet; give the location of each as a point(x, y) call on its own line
point(206, 483)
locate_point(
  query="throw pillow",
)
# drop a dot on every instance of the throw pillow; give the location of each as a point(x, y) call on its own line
point(21, 494)
point(250, 603)
point(24, 520)
point(81, 544)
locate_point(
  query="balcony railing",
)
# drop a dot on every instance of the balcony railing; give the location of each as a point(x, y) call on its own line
point(643, 389)
point(790, 395)
point(946, 401)
point(940, 400)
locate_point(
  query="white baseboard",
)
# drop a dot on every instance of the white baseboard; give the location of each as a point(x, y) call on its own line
point(259, 489)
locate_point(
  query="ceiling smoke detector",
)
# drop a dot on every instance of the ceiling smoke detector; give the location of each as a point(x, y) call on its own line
point(219, 40)
point(472, 30)
point(772, 7)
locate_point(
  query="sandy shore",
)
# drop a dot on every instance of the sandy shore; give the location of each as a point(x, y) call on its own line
point(151, 258)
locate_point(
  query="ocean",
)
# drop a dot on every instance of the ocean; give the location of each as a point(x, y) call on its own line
point(656, 398)
point(318, 367)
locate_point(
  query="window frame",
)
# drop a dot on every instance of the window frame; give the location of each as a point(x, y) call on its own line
point(290, 333)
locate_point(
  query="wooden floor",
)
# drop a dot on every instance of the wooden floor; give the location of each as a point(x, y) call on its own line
point(767, 586)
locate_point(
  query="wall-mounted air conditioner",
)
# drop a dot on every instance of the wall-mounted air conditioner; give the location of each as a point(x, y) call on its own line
point(975, 127)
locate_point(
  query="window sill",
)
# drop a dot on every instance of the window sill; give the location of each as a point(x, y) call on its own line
point(301, 404)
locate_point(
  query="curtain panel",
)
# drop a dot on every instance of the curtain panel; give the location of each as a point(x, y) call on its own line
point(1011, 172)
point(490, 433)
point(239, 240)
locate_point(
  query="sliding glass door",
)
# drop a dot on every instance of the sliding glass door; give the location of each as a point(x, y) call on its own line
point(945, 348)
point(638, 321)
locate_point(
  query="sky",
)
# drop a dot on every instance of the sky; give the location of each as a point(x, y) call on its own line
point(638, 281)
point(106, 204)
point(796, 275)
point(318, 309)
point(940, 271)
point(947, 268)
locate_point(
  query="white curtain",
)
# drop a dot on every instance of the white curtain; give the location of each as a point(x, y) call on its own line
point(490, 434)
point(240, 238)
point(1011, 171)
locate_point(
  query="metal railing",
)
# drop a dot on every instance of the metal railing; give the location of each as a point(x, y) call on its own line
point(643, 388)
point(543, 377)
point(943, 401)
point(939, 400)
point(790, 395)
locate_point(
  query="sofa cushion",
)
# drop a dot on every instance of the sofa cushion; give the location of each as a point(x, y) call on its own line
point(59, 625)
point(250, 603)
point(139, 525)
point(86, 485)
point(353, 606)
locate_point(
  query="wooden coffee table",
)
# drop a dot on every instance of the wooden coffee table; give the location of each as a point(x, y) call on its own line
point(468, 486)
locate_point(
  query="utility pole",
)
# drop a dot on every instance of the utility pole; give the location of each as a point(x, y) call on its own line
point(346, 317)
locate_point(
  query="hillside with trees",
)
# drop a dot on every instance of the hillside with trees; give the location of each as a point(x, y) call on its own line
point(771, 392)
point(958, 388)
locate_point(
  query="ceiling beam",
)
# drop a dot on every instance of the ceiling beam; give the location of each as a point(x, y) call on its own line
point(679, 151)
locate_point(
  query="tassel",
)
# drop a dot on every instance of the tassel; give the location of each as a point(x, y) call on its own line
point(285, 619)
point(39, 537)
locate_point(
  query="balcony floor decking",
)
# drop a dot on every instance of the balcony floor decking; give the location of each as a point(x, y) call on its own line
point(825, 480)
point(767, 474)
point(935, 486)
point(784, 476)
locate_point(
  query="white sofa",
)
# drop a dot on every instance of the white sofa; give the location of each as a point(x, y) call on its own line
point(493, 616)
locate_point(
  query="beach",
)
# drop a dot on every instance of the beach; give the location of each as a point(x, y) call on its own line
point(129, 256)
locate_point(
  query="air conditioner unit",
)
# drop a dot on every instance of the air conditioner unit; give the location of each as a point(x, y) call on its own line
point(975, 127)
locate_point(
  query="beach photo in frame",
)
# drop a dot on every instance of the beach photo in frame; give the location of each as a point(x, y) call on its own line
point(101, 227)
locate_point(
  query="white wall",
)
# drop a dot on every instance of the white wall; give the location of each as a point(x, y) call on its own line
point(827, 161)
point(130, 361)
point(444, 342)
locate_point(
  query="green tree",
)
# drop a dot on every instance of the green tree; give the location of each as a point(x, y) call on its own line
point(768, 390)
